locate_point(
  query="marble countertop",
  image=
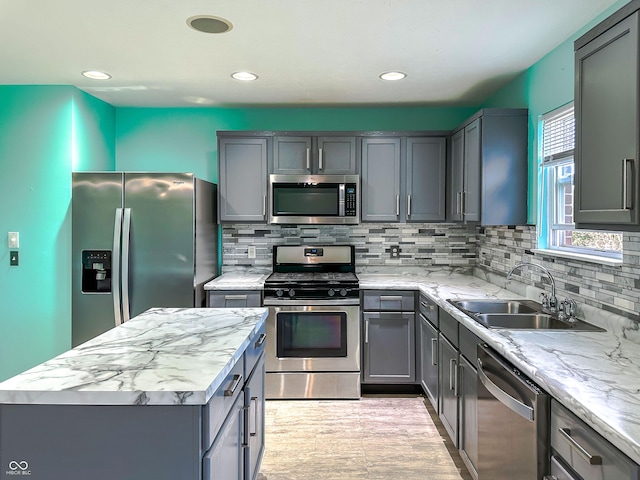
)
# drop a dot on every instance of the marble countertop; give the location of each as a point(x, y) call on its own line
point(596, 375)
point(164, 356)
point(237, 281)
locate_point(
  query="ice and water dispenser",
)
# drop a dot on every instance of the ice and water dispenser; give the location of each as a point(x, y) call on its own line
point(96, 271)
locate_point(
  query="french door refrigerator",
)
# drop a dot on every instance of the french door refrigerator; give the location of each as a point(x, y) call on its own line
point(139, 240)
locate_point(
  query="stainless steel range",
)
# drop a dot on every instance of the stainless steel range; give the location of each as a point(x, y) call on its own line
point(313, 328)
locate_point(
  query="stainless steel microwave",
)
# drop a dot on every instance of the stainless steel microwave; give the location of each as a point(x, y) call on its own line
point(314, 199)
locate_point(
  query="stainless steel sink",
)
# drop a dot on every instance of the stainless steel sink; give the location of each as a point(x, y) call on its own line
point(517, 315)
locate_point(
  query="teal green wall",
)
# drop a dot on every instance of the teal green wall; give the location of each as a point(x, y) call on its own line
point(184, 139)
point(545, 86)
point(37, 141)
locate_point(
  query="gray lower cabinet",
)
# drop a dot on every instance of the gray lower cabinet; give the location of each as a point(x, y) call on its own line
point(607, 113)
point(468, 446)
point(242, 164)
point(305, 155)
point(255, 420)
point(225, 459)
point(389, 347)
point(448, 359)
point(429, 360)
point(488, 168)
point(234, 298)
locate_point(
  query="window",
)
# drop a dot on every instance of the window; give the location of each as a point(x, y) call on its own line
point(557, 230)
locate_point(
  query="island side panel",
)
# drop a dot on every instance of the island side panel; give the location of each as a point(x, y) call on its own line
point(100, 442)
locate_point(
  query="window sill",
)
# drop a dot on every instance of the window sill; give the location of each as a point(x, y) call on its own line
point(612, 262)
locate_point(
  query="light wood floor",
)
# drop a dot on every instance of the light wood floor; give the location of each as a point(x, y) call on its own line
point(374, 438)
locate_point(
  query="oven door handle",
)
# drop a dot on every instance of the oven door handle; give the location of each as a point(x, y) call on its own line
point(274, 302)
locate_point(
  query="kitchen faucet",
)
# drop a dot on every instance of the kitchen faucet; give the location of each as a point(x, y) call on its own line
point(550, 302)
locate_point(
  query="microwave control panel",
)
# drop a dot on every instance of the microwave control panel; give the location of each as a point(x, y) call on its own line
point(350, 204)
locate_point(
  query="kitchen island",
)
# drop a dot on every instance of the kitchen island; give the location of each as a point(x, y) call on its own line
point(145, 400)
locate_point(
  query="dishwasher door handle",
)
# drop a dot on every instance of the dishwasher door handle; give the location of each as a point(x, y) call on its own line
point(525, 411)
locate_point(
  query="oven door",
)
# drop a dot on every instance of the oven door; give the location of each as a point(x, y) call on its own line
point(318, 336)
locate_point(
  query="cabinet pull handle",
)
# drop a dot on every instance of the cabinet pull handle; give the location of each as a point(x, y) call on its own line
point(408, 205)
point(626, 205)
point(366, 331)
point(320, 163)
point(434, 351)
point(426, 305)
point(261, 339)
point(237, 380)
point(253, 417)
point(397, 205)
point(235, 297)
point(592, 459)
point(309, 159)
point(452, 373)
point(458, 195)
point(390, 298)
point(463, 206)
point(264, 205)
point(458, 375)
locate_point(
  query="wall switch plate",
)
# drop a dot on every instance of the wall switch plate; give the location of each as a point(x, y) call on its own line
point(251, 251)
point(394, 251)
point(13, 239)
point(14, 259)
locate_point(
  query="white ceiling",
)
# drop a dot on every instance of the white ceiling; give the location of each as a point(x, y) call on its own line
point(306, 52)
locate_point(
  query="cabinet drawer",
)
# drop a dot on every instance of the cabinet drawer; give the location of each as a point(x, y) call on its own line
point(234, 299)
point(449, 327)
point(574, 441)
point(429, 309)
point(468, 344)
point(389, 300)
point(220, 404)
point(254, 350)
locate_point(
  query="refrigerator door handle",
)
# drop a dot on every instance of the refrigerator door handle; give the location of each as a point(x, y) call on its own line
point(117, 231)
point(126, 232)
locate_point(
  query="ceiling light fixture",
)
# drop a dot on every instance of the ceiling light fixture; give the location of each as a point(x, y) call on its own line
point(96, 75)
point(392, 76)
point(209, 24)
point(244, 76)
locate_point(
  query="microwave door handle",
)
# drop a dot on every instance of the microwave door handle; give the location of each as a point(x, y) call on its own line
point(341, 200)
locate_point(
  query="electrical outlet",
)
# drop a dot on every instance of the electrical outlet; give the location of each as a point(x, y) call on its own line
point(394, 251)
point(14, 259)
point(13, 239)
point(251, 251)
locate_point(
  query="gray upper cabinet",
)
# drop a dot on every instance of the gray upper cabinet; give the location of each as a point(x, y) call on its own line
point(488, 169)
point(426, 179)
point(403, 179)
point(607, 125)
point(305, 155)
point(380, 179)
point(243, 179)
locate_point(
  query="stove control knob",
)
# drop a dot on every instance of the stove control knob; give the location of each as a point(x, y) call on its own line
point(292, 292)
point(343, 292)
point(279, 293)
point(331, 292)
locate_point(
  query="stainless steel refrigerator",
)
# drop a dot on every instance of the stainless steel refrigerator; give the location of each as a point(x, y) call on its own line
point(139, 240)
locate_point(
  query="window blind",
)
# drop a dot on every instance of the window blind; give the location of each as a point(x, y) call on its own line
point(558, 135)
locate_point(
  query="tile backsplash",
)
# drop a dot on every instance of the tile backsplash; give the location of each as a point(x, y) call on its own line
point(422, 245)
point(612, 288)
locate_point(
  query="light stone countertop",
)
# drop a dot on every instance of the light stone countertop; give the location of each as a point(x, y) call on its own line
point(164, 356)
point(594, 374)
point(237, 281)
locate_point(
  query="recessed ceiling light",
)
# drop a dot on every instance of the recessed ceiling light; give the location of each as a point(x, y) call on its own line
point(209, 24)
point(96, 75)
point(244, 76)
point(391, 76)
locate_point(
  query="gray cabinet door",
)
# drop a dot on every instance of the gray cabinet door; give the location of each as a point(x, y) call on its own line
point(380, 179)
point(468, 415)
point(243, 179)
point(225, 459)
point(389, 347)
point(607, 128)
point(429, 361)
point(292, 155)
point(337, 156)
point(456, 179)
point(255, 420)
point(472, 171)
point(448, 357)
point(426, 179)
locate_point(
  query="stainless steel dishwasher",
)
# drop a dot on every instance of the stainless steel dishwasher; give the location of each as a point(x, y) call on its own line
point(513, 421)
